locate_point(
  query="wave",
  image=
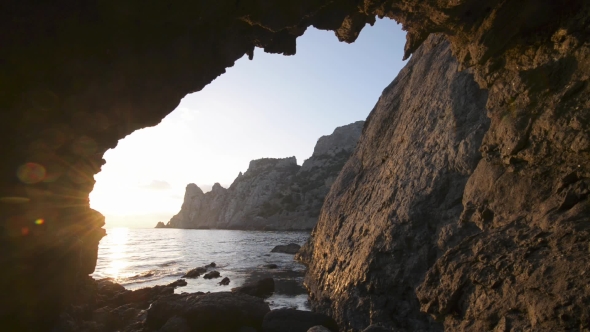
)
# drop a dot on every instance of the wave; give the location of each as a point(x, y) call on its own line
point(165, 264)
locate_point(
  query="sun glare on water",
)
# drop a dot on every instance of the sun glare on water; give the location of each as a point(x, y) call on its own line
point(117, 238)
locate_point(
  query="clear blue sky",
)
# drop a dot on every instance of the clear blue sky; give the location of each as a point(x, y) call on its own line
point(273, 106)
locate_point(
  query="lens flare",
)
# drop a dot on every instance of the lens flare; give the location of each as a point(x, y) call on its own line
point(31, 173)
point(14, 200)
point(24, 231)
point(39, 222)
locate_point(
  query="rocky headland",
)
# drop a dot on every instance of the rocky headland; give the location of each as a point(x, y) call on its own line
point(465, 207)
point(273, 194)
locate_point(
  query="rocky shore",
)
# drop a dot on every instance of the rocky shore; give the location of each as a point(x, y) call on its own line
point(104, 306)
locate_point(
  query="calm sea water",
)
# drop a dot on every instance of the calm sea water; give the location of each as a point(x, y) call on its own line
point(138, 258)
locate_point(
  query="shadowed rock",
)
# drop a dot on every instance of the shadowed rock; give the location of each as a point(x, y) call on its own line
point(175, 324)
point(224, 282)
point(291, 248)
point(212, 275)
point(177, 283)
point(319, 328)
point(261, 288)
point(221, 311)
point(291, 320)
point(195, 273)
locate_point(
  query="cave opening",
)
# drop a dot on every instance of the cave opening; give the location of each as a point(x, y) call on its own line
point(269, 107)
point(75, 78)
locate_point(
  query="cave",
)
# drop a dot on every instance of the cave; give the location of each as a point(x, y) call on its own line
point(78, 76)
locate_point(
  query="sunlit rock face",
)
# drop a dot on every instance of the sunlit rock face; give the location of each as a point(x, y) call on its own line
point(479, 232)
point(394, 208)
point(273, 194)
point(76, 77)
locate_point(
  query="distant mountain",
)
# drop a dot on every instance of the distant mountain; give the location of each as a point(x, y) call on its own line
point(273, 194)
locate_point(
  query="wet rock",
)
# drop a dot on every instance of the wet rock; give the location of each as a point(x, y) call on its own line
point(142, 296)
point(271, 266)
point(209, 312)
point(195, 273)
point(224, 281)
point(296, 321)
point(262, 288)
point(177, 283)
point(107, 288)
point(212, 275)
point(212, 264)
point(291, 248)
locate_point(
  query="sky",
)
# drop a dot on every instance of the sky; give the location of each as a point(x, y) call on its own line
point(273, 106)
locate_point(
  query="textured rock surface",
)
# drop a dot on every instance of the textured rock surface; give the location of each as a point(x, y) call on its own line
point(502, 244)
point(291, 320)
point(272, 193)
point(396, 204)
point(78, 76)
point(102, 305)
point(291, 248)
point(262, 288)
point(223, 311)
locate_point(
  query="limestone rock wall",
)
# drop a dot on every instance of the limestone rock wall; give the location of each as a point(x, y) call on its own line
point(492, 244)
point(273, 194)
point(394, 208)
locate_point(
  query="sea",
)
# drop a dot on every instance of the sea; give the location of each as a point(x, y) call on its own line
point(137, 258)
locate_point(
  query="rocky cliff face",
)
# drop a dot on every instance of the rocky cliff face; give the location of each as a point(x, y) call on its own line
point(273, 194)
point(395, 206)
point(465, 209)
point(78, 76)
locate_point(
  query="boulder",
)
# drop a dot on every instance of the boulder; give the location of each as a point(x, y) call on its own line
point(209, 312)
point(142, 296)
point(291, 248)
point(291, 320)
point(177, 283)
point(212, 275)
point(262, 288)
point(271, 266)
point(195, 273)
point(212, 264)
point(224, 281)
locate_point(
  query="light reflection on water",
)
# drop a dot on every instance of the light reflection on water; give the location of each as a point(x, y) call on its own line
point(116, 251)
point(139, 258)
